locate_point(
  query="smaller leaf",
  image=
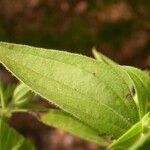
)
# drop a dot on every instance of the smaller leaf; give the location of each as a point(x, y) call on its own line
point(99, 56)
point(143, 143)
point(8, 92)
point(12, 140)
point(2, 98)
point(32, 107)
point(140, 79)
point(134, 137)
point(22, 94)
point(141, 82)
point(65, 121)
point(145, 136)
point(129, 138)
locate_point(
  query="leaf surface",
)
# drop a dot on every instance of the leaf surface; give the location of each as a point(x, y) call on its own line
point(135, 137)
point(92, 91)
point(22, 93)
point(141, 81)
point(142, 86)
point(65, 121)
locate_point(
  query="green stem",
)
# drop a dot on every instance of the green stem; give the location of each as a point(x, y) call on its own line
point(19, 110)
point(2, 100)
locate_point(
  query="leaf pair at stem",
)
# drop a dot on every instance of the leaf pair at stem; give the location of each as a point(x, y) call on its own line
point(13, 99)
point(99, 99)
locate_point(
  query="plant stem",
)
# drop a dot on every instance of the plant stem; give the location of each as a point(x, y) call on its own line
point(2, 100)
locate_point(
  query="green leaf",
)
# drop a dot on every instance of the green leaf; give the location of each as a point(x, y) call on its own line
point(5, 97)
point(11, 140)
point(92, 91)
point(22, 94)
point(2, 97)
point(8, 92)
point(141, 82)
point(129, 138)
point(144, 142)
point(135, 137)
point(21, 97)
point(99, 56)
point(142, 86)
point(65, 121)
point(31, 106)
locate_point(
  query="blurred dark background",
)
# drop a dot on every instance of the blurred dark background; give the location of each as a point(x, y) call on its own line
point(119, 29)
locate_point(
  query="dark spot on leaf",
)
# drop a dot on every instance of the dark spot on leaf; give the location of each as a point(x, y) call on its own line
point(75, 89)
point(132, 91)
point(102, 134)
point(94, 73)
point(131, 94)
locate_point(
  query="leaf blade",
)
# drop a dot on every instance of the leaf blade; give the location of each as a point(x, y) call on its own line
point(22, 94)
point(142, 85)
point(68, 123)
point(71, 81)
point(135, 137)
point(10, 139)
